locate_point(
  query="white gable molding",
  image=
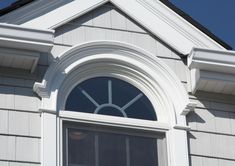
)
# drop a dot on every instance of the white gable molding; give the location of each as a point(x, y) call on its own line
point(212, 70)
point(122, 61)
point(157, 18)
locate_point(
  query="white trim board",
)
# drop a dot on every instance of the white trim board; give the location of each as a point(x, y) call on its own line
point(212, 71)
point(165, 23)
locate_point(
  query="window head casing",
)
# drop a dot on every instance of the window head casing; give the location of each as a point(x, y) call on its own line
point(130, 64)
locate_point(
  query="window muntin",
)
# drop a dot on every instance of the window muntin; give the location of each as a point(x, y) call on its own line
point(110, 96)
point(92, 145)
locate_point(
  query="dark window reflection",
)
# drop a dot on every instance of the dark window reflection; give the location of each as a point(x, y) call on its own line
point(94, 148)
point(110, 96)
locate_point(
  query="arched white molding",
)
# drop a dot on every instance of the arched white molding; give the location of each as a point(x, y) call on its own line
point(122, 61)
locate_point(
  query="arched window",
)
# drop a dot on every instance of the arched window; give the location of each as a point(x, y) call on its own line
point(104, 146)
point(109, 103)
point(110, 96)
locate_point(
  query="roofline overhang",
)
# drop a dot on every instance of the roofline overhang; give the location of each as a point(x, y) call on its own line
point(212, 71)
point(166, 24)
point(22, 45)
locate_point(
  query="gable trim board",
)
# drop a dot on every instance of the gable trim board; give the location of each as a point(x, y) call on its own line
point(158, 19)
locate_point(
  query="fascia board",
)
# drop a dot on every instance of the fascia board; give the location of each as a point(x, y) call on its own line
point(212, 60)
point(64, 14)
point(167, 25)
point(20, 37)
point(157, 18)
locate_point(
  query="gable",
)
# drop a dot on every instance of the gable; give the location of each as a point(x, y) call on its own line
point(157, 18)
point(108, 23)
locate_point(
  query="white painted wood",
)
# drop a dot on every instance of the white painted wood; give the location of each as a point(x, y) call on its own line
point(232, 122)
point(4, 121)
point(114, 121)
point(121, 58)
point(145, 42)
point(222, 122)
point(4, 163)
point(7, 97)
point(171, 27)
point(73, 35)
point(86, 19)
point(177, 67)
point(27, 149)
point(57, 50)
point(64, 14)
point(226, 163)
point(196, 161)
point(94, 34)
point(17, 58)
point(25, 99)
point(132, 26)
point(102, 17)
point(212, 145)
point(34, 124)
point(205, 120)
point(215, 67)
point(22, 164)
point(49, 140)
point(18, 123)
point(7, 144)
point(118, 20)
point(21, 37)
point(210, 161)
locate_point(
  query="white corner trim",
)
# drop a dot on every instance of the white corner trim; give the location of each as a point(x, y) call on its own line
point(21, 37)
point(210, 69)
point(171, 28)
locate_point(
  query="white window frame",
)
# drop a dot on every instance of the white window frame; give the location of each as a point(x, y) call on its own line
point(125, 62)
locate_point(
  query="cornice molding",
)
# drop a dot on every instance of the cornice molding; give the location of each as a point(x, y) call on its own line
point(21, 37)
point(21, 46)
point(165, 23)
point(212, 70)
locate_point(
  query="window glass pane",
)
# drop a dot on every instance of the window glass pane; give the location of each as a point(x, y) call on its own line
point(112, 149)
point(80, 148)
point(91, 147)
point(143, 151)
point(110, 96)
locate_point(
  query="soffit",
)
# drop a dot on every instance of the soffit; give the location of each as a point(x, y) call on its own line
point(20, 47)
point(158, 19)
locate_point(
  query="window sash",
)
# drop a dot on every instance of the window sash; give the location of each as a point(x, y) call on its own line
point(124, 125)
point(128, 133)
point(112, 121)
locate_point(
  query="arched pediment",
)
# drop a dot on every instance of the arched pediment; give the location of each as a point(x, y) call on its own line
point(120, 60)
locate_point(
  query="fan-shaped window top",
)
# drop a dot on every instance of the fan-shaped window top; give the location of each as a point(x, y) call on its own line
point(110, 96)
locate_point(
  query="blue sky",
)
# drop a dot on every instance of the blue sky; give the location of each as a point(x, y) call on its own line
point(218, 16)
point(4, 3)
